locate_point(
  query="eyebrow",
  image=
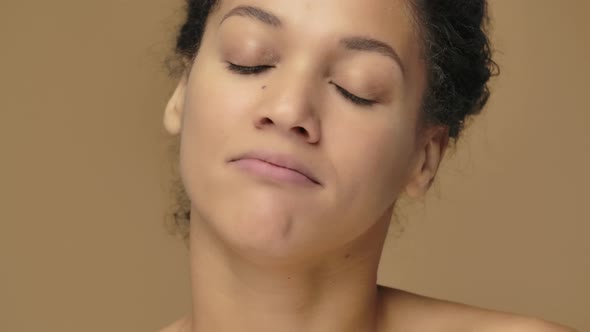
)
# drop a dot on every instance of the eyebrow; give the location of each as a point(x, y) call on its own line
point(255, 13)
point(373, 45)
point(356, 43)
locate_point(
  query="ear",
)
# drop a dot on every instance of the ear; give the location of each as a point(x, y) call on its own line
point(175, 107)
point(430, 154)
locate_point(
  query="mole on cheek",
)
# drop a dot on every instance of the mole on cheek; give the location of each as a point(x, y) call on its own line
point(263, 87)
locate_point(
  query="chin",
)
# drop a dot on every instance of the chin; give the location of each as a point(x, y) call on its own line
point(263, 230)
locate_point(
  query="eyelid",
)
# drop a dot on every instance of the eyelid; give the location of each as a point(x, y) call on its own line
point(354, 98)
point(248, 70)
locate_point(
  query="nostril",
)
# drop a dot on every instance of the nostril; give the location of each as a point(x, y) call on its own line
point(301, 130)
point(266, 121)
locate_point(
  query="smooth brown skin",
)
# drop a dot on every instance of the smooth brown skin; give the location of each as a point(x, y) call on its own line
point(269, 256)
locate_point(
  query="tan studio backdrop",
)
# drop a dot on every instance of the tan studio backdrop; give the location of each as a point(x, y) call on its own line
point(83, 173)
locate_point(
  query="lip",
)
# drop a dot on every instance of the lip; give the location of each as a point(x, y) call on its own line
point(277, 165)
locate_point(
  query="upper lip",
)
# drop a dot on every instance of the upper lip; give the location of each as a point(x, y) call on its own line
point(281, 160)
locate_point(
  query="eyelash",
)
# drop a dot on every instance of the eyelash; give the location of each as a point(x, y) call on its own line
point(357, 100)
point(242, 70)
point(256, 70)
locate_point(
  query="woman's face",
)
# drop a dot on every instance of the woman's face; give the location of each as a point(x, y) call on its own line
point(339, 92)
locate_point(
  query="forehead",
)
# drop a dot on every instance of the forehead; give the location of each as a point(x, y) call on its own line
point(320, 20)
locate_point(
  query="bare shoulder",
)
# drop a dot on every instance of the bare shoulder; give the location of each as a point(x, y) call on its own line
point(409, 312)
point(180, 325)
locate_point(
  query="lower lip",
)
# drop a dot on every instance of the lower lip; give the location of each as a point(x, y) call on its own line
point(273, 172)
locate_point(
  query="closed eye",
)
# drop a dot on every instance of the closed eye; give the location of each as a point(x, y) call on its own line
point(355, 99)
point(244, 70)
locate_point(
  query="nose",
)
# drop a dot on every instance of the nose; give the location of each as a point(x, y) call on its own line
point(287, 106)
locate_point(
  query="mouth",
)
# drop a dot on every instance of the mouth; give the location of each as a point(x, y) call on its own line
point(276, 166)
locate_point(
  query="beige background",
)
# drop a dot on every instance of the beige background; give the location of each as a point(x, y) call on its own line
point(83, 174)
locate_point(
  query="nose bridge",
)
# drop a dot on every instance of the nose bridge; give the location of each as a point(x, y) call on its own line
point(288, 103)
point(292, 93)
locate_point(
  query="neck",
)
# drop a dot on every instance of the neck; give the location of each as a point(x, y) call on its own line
point(233, 293)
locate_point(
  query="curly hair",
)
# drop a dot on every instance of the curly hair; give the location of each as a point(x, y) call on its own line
point(456, 50)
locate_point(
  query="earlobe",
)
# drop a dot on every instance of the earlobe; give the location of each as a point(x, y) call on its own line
point(427, 163)
point(175, 107)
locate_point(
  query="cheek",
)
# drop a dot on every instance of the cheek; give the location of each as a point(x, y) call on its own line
point(214, 107)
point(370, 163)
point(204, 128)
point(216, 111)
point(375, 158)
